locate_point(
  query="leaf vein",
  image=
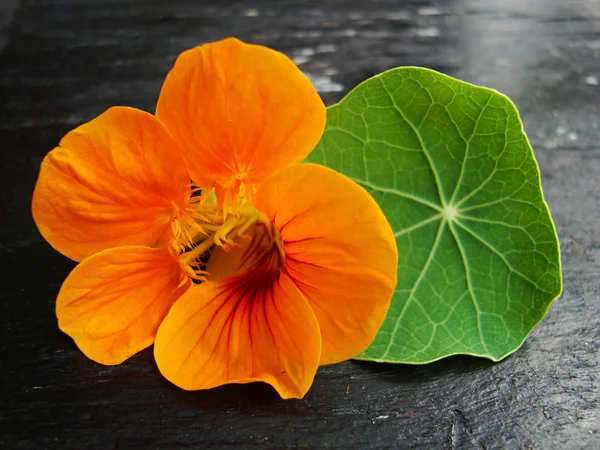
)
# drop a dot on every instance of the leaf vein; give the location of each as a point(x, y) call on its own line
point(469, 285)
point(417, 225)
point(420, 138)
point(415, 286)
point(468, 146)
point(414, 198)
point(498, 253)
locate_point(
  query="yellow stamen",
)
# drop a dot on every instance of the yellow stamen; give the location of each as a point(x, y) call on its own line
point(203, 224)
point(197, 251)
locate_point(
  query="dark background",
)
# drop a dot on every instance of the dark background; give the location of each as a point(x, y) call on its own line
point(62, 62)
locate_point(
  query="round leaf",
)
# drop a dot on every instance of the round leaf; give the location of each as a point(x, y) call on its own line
point(452, 169)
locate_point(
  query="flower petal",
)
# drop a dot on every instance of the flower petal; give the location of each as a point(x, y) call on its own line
point(239, 330)
point(340, 252)
point(242, 112)
point(112, 303)
point(117, 180)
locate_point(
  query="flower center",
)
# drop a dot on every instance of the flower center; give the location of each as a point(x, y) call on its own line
point(201, 227)
point(259, 255)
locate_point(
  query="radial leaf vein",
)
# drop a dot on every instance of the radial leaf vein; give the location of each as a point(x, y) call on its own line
point(421, 143)
point(411, 296)
point(495, 202)
point(488, 178)
point(417, 225)
point(463, 255)
point(498, 253)
point(467, 147)
point(414, 198)
point(496, 222)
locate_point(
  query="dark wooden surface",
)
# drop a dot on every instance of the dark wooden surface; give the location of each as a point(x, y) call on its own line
point(65, 61)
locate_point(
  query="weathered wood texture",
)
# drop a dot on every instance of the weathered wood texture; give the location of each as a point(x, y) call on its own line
point(65, 61)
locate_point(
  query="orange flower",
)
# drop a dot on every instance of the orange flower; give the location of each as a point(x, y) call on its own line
point(303, 261)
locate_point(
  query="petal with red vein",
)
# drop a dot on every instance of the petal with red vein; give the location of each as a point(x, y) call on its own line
point(117, 180)
point(241, 111)
point(113, 302)
point(239, 330)
point(340, 253)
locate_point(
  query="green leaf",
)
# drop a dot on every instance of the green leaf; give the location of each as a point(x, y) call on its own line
point(452, 169)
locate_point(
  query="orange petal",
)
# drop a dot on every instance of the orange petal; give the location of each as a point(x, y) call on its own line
point(241, 111)
point(340, 253)
point(117, 180)
point(113, 302)
point(239, 330)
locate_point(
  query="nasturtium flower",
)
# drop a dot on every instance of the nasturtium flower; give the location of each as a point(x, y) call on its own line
point(198, 231)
